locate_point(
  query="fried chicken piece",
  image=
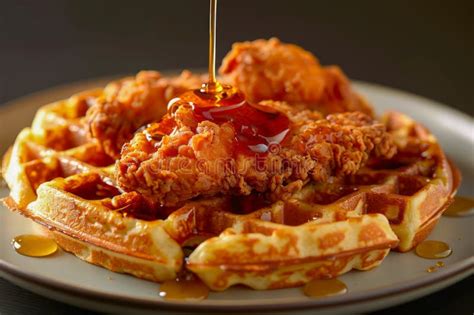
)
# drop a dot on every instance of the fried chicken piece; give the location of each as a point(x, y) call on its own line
point(130, 103)
point(198, 158)
point(272, 70)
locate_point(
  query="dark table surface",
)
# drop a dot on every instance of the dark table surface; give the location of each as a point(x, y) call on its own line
point(424, 47)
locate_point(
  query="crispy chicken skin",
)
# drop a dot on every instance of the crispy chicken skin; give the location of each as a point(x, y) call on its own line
point(271, 70)
point(128, 104)
point(198, 158)
point(262, 70)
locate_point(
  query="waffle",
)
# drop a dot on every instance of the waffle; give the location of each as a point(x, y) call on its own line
point(55, 145)
point(63, 180)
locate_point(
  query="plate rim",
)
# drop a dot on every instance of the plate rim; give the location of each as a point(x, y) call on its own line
point(457, 269)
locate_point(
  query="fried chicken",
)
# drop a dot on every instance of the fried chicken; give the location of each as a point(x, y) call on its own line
point(130, 103)
point(262, 70)
point(198, 158)
point(272, 70)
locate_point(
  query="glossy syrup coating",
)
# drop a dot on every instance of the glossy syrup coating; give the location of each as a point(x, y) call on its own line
point(256, 127)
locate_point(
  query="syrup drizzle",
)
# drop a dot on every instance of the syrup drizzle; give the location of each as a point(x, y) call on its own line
point(324, 287)
point(34, 245)
point(256, 127)
point(433, 249)
point(461, 207)
point(212, 42)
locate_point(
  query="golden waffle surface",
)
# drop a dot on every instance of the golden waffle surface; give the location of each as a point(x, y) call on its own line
point(64, 181)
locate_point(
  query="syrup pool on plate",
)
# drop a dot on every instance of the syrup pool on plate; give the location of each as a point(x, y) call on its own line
point(34, 245)
point(433, 249)
point(431, 269)
point(324, 287)
point(185, 287)
point(440, 264)
point(461, 206)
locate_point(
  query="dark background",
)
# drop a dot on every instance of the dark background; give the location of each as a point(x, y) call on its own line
point(425, 47)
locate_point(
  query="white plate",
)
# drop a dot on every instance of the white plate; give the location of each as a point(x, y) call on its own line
point(400, 278)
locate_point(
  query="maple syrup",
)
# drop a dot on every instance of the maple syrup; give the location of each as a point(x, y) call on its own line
point(439, 264)
point(462, 206)
point(431, 269)
point(324, 287)
point(184, 287)
point(258, 128)
point(433, 249)
point(212, 86)
point(34, 245)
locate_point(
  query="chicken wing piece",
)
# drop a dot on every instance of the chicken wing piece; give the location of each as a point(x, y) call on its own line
point(130, 103)
point(198, 158)
point(272, 70)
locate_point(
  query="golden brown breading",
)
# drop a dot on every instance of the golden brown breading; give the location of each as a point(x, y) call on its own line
point(272, 70)
point(198, 158)
point(130, 103)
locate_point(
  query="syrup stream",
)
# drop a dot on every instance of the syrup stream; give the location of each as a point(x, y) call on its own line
point(212, 42)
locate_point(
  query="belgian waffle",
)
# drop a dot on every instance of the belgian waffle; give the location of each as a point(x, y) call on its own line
point(64, 181)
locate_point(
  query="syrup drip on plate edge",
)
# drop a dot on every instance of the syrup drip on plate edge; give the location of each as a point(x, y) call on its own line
point(433, 249)
point(186, 286)
point(324, 288)
point(461, 207)
point(34, 245)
